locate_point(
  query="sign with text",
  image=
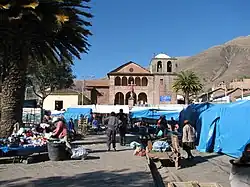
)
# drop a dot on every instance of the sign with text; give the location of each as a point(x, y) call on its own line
point(165, 98)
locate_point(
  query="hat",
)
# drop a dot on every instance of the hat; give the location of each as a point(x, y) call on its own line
point(186, 122)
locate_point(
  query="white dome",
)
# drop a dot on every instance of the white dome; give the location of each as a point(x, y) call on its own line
point(161, 55)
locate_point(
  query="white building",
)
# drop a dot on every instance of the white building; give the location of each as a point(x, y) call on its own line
point(64, 99)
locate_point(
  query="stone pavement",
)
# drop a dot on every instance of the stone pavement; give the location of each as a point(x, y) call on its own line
point(102, 168)
point(206, 167)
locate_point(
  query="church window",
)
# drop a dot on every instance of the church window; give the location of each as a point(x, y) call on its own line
point(161, 81)
point(159, 66)
point(117, 81)
point(169, 66)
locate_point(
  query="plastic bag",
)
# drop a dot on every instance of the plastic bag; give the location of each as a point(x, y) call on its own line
point(160, 146)
point(134, 145)
point(79, 153)
point(160, 133)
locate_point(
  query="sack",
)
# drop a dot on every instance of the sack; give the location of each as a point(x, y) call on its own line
point(160, 146)
point(134, 145)
point(79, 153)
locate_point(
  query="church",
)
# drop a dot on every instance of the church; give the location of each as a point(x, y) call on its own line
point(132, 84)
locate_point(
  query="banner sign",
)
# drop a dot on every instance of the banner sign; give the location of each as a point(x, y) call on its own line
point(165, 98)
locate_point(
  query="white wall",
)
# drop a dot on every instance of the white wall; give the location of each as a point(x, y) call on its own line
point(68, 101)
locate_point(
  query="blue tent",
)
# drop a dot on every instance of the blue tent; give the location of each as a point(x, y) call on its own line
point(207, 124)
point(193, 111)
point(233, 129)
point(75, 113)
point(225, 128)
point(154, 114)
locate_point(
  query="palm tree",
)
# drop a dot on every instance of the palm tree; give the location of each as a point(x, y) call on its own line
point(39, 30)
point(187, 82)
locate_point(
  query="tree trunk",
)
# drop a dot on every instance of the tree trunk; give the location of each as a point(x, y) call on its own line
point(13, 91)
point(186, 98)
point(41, 107)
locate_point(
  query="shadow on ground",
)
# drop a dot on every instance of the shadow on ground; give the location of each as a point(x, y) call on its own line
point(104, 150)
point(185, 163)
point(93, 179)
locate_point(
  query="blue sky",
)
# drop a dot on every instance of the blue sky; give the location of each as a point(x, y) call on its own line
point(135, 30)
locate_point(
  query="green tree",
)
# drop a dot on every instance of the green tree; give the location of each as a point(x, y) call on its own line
point(40, 30)
point(187, 82)
point(46, 78)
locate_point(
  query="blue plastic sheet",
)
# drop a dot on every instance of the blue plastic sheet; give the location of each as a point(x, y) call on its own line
point(192, 113)
point(155, 114)
point(75, 113)
point(225, 128)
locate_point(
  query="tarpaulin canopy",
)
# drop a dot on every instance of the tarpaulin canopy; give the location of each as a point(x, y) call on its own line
point(225, 128)
point(193, 111)
point(75, 113)
point(106, 109)
point(155, 114)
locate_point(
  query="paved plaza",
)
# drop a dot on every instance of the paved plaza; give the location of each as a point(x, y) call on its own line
point(119, 168)
point(206, 167)
point(102, 168)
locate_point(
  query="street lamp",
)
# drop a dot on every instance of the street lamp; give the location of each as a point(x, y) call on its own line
point(83, 83)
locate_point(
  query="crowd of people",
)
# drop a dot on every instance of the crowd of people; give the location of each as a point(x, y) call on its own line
point(118, 123)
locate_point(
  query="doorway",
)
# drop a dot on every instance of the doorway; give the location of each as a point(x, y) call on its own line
point(58, 105)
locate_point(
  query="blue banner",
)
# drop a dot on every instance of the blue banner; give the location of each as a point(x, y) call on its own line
point(165, 98)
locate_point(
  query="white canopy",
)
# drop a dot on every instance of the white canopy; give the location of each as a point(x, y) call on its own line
point(105, 109)
point(175, 107)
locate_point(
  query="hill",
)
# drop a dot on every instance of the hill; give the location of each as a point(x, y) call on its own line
point(220, 63)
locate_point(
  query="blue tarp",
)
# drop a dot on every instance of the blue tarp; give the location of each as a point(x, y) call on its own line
point(154, 114)
point(75, 113)
point(192, 113)
point(225, 128)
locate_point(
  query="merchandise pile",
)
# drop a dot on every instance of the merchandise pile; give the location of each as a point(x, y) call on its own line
point(23, 138)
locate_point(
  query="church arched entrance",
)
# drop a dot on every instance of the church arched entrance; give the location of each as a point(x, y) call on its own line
point(128, 95)
point(142, 98)
point(119, 98)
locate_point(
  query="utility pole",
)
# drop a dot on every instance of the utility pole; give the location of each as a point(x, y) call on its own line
point(83, 84)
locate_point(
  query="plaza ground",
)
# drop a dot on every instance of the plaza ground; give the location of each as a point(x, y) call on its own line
point(119, 168)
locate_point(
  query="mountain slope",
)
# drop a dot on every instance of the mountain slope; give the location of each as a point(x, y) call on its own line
point(221, 63)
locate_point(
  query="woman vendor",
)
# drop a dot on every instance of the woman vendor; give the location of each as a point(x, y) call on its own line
point(61, 131)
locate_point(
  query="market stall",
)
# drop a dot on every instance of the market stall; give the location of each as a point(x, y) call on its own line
point(23, 144)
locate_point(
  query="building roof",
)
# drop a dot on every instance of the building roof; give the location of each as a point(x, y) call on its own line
point(162, 55)
point(126, 64)
point(79, 84)
point(97, 83)
point(69, 91)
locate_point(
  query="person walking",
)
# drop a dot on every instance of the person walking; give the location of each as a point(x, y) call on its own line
point(112, 123)
point(122, 127)
point(240, 172)
point(188, 138)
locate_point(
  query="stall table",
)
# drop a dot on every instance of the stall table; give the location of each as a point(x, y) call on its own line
point(22, 153)
point(172, 157)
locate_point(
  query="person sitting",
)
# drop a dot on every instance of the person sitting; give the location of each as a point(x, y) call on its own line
point(95, 125)
point(61, 131)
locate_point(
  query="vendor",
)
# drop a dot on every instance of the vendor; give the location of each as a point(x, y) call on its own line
point(47, 117)
point(61, 131)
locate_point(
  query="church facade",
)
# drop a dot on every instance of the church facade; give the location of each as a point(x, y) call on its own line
point(133, 84)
